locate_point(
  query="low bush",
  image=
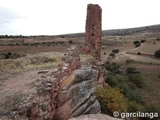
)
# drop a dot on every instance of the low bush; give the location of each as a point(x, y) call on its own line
point(115, 50)
point(152, 109)
point(133, 106)
point(134, 96)
point(142, 41)
point(138, 44)
point(11, 55)
point(131, 85)
point(112, 99)
point(113, 67)
point(130, 61)
point(138, 53)
point(124, 87)
point(112, 54)
point(157, 54)
point(70, 41)
point(111, 80)
point(131, 70)
point(137, 79)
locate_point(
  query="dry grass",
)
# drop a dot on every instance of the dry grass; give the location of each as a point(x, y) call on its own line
point(121, 58)
point(29, 62)
point(148, 48)
point(151, 93)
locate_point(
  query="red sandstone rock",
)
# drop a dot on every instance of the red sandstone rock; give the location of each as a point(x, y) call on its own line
point(63, 96)
point(63, 112)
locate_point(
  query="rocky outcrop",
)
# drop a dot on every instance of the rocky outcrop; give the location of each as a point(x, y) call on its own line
point(95, 117)
point(77, 95)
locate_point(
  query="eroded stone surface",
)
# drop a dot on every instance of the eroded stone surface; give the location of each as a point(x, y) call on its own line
point(80, 96)
point(95, 117)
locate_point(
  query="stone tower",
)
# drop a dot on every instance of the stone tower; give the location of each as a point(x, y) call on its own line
point(93, 31)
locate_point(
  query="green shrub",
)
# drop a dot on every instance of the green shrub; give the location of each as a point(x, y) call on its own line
point(112, 98)
point(70, 41)
point(157, 54)
point(138, 53)
point(9, 53)
point(111, 80)
point(131, 70)
point(112, 54)
point(130, 61)
point(152, 109)
point(137, 79)
point(115, 50)
point(138, 44)
point(124, 87)
point(113, 67)
point(142, 41)
point(158, 39)
point(134, 96)
point(131, 85)
point(7, 56)
point(133, 106)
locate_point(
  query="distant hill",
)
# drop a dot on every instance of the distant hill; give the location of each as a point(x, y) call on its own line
point(131, 31)
point(114, 32)
point(119, 32)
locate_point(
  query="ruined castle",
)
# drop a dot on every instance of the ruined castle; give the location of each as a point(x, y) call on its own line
point(69, 90)
point(93, 31)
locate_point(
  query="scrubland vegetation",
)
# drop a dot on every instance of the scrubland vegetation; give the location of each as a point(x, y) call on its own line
point(29, 62)
point(123, 92)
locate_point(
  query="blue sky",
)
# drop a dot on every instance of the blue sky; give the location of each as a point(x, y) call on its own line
point(51, 17)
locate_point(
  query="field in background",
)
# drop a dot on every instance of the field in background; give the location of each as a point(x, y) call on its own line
point(45, 52)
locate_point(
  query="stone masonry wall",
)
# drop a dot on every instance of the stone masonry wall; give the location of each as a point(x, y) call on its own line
point(93, 31)
point(49, 85)
point(64, 92)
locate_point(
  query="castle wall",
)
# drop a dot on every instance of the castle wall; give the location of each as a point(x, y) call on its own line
point(93, 31)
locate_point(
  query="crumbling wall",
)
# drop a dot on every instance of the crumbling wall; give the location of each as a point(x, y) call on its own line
point(93, 31)
point(49, 85)
point(62, 93)
point(42, 102)
point(69, 90)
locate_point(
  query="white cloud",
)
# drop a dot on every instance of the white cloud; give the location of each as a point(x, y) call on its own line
point(60, 16)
